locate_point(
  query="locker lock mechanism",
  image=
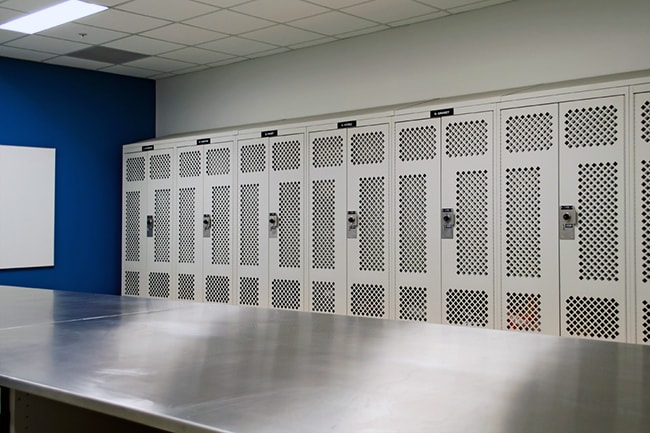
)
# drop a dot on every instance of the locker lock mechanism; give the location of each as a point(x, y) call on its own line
point(273, 225)
point(448, 221)
point(352, 224)
point(568, 221)
point(207, 225)
point(149, 226)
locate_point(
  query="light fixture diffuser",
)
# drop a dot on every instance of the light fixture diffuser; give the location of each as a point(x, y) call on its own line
point(53, 16)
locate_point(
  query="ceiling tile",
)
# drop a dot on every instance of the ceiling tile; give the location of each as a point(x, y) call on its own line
point(7, 15)
point(268, 53)
point(122, 21)
point(47, 45)
point(133, 72)
point(94, 35)
point(228, 62)
point(280, 10)
point(237, 46)
point(282, 35)
point(386, 11)
point(159, 64)
point(197, 55)
point(29, 5)
point(421, 18)
point(312, 43)
point(229, 22)
point(173, 10)
point(332, 23)
point(478, 5)
point(447, 4)
point(16, 53)
point(184, 34)
point(6, 35)
point(139, 44)
point(223, 3)
point(374, 29)
point(77, 63)
point(109, 3)
point(337, 4)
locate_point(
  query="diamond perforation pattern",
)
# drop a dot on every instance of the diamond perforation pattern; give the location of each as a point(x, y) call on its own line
point(413, 223)
point(323, 296)
point(413, 304)
point(645, 221)
point(417, 144)
point(132, 228)
point(591, 126)
point(186, 287)
point(217, 289)
point(186, 232)
point(467, 307)
point(218, 161)
point(598, 219)
point(367, 148)
point(645, 121)
point(189, 164)
point(132, 283)
point(285, 294)
point(220, 235)
point(249, 291)
point(467, 138)
point(593, 317)
point(645, 324)
point(322, 225)
point(289, 225)
point(160, 166)
point(253, 158)
point(524, 312)
point(372, 228)
point(135, 169)
point(327, 152)
point(368, 300)
point(249, 239)
point(523, 235)
point(529, 132)
point(286, 155)
point(159, 284)
point(162, 226)
point(472, 223)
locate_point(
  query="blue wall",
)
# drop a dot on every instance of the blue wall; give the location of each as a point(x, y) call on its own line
point(87, 116)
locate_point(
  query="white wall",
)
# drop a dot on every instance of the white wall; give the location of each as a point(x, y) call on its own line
point(515, 44)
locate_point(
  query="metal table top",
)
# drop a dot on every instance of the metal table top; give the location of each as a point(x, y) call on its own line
point(198, 367)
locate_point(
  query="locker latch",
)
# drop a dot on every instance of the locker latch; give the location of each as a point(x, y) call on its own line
point(352, 224)
point(568, 221)
point(273, 225)
point(149, 226)
point(448, 221)
point(207, 225)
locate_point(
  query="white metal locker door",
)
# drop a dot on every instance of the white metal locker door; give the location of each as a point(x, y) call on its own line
point(368, 186)
point(134, 225)
point(253, 207)
point(327, 275)
point(218, 210)
point(592, 266)
point(189, 215)
point(286, 233)
point(530, 291)
point(417, 198)
point(467, 188)
point(642, 202)
point(159, 225)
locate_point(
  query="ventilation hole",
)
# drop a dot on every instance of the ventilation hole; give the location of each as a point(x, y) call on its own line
point(135, 169)
point(323, 224)
point(132, 228)
point(286, 155)
point(524, 312)
point(249, 291)
point(323, 296)
point(413, 223)
point(645, 324)
point(371, 224)
point(468, 138)
point(218, 161)
point(217, 289)
point(220, 231)
point(159, 284)
point(645, 221)
point(289, 229)
point(529, 132)
point(413, 304)
point(417, 144)
point(523, 235)
point(645, 121)
point(472, 223)
point(592, 317)
point(132, 283)
point(186, 287)
point(327, 152)
point(186, 232)
point(189, 164)
point(367, 148)
point(591, 126)
point(253, 158)
point(285, 294)
point(467, 307)
point(162, 225)
point(249, 218)
point(160, 167)
point(367, 300)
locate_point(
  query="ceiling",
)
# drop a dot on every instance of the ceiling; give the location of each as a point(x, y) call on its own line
point(174, 37)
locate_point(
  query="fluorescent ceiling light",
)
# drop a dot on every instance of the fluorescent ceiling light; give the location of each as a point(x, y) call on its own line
point(52, 16)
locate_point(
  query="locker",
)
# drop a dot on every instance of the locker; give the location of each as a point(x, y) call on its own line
point(417, 219)
point(134, 224)
point(467, 195)
point(642, 211)
point(530, 289)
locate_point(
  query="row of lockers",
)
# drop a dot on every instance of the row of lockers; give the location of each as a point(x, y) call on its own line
point(522, 216)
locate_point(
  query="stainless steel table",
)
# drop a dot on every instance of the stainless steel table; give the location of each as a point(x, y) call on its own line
point(196, 367)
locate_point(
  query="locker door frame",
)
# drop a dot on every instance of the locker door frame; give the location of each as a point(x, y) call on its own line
point(139, 266)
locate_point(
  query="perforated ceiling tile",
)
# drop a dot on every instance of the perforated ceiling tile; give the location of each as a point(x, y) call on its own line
point(173, 10)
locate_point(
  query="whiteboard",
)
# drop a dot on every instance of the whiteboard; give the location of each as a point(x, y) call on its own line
point(26, 207)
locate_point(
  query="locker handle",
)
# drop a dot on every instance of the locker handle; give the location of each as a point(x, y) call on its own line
point(273, 225)
point(149, 226)
point(352, 224)
point(207, 225)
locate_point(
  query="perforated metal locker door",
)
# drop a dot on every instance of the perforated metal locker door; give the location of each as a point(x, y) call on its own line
point(642, 205)
point(530, 292)
point(218, 204)
point(327, 222)
point(252, 223)
point(592, 266)
point(160, 281)
point(368, 186)
point(417, 214)
point(286, 206)
point(134, 224)
point(188, 200)
point(467, 188)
